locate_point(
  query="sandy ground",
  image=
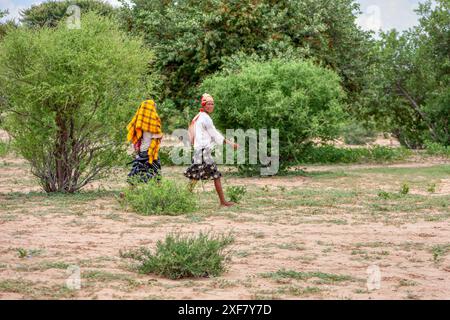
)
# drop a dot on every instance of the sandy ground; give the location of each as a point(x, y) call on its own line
point(329, 222)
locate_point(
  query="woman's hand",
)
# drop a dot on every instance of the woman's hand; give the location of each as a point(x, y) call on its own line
point(137, 146)
point(235, 145)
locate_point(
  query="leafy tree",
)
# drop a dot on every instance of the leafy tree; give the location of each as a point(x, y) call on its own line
point(193, 38)
point(302, 100)
point(3, 13)
point(68, 96)
point(412, 79)
point(51, 12)
point(4, 27)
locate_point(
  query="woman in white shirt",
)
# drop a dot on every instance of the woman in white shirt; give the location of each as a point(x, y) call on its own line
point(205, 136)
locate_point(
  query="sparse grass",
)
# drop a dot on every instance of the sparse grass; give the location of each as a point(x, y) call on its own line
point(16, 286)
point(440, 251)
point(181, 256)
point(431, 188)
point(290, 246)
point(325, 196)
point(406, 283)
point(54, 265)
point(290, 274)
point(297, 291)
point(35, 290)
point(24, 253)
point(103, 276)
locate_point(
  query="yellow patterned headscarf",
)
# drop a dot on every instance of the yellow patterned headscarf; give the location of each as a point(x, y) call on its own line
point(146, 119)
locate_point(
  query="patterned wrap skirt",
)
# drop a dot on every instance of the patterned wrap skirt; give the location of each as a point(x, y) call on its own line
point(143, 170)
point(203, 166)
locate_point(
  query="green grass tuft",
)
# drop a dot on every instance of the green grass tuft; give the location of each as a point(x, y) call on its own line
point(290, 274)
point(236, 193)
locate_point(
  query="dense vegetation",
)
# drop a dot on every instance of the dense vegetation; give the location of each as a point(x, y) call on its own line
point(301, 99)
point(412, 79)
point(303, 67)
point(66, 96)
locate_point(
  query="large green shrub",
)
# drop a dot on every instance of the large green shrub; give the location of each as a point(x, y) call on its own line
point(68, 95)
point(300, 99)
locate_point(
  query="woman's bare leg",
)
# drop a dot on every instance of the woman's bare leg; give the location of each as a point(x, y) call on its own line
point(219, 191)
point(192, 185)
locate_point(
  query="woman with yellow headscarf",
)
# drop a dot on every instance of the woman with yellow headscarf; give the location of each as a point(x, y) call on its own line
point(145, 132)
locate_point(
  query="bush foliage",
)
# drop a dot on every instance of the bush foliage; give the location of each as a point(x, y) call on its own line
point(328, 154)
point(300, 99)
point(164, 197)
point(181, 256)
point(67, 94)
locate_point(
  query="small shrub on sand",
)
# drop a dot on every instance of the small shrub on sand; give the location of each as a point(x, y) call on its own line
point(164, 197)
point(181, 256)
point(405, 189)
point(236, 193)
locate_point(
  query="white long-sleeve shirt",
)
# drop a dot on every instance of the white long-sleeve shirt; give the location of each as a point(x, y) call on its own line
point(147, 140)
point(206, 134)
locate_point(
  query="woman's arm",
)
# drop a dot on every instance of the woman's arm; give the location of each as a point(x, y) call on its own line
point(216, 135)
point(235, 145)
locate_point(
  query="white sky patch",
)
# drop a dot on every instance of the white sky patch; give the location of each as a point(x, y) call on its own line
point(13, 8)
point(388, 14)
point(371, 19)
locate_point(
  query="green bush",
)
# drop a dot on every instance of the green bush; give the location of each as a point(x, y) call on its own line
point(4, 148)
point(236, 193)
point(328, 154)
point(164, 197)
point(323, 154)
point(181, 256)
point(437, 149)
point(302, 100)
point(171, 117)
point(404, 189)
point(165, 157)
point(67, 95)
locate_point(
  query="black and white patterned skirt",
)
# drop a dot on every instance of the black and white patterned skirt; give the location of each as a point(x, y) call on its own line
point(142, 170)
point(203, 166)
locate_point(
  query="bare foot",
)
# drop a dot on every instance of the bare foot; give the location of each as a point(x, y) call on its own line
point(227, 204)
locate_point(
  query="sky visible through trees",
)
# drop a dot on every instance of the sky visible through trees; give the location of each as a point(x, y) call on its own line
point(377, 14)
